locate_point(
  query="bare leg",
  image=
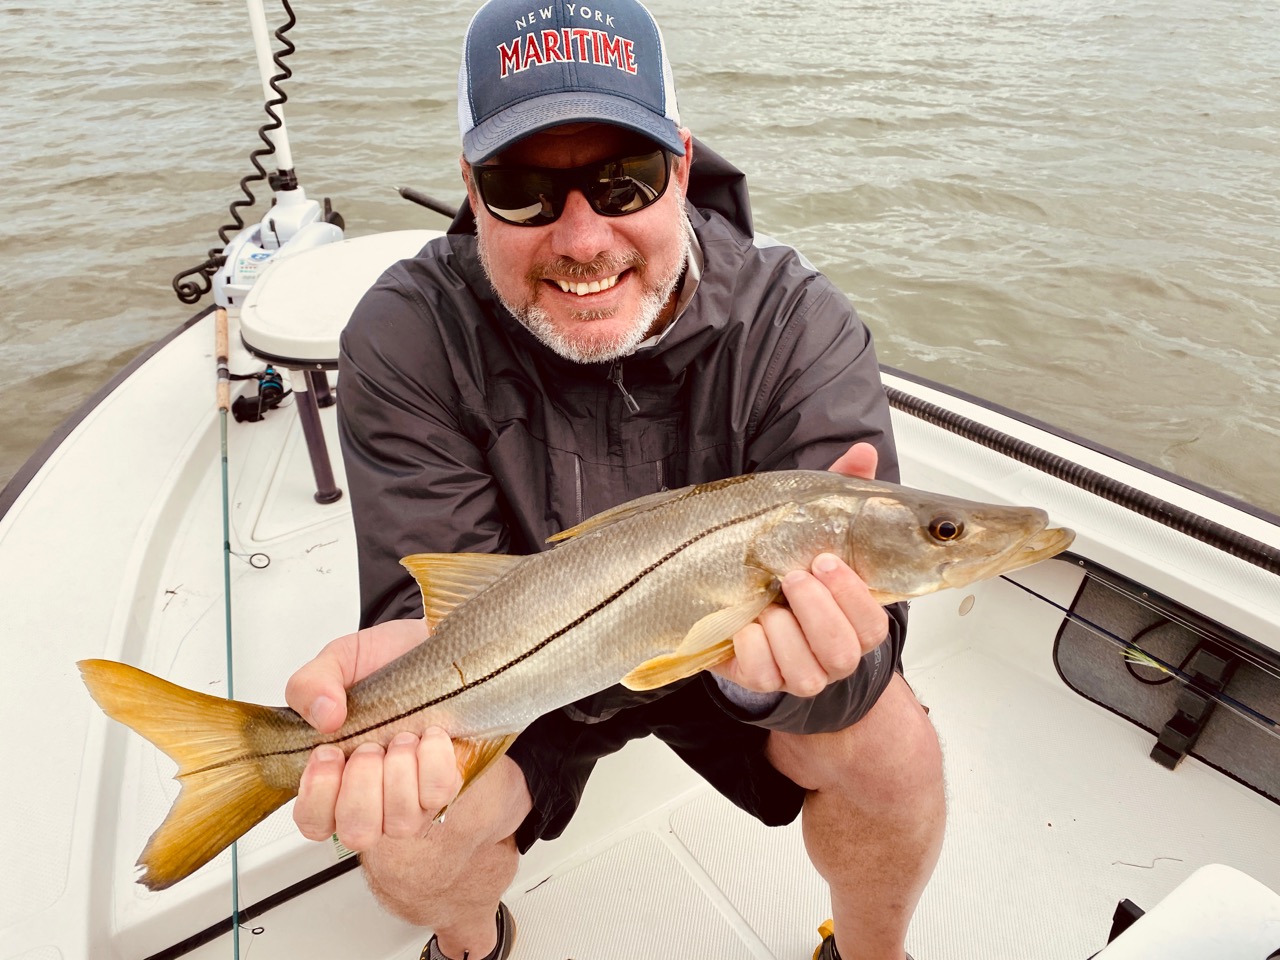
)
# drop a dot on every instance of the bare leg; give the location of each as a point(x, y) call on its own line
point(874, 817)
point(452, 879)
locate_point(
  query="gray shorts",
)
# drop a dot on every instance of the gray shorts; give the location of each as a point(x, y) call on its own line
point(557, 752)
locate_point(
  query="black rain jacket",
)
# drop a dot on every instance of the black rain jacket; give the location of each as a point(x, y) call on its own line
point(461, 432)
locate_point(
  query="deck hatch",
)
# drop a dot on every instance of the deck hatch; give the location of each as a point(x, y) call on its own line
point(1184, 719)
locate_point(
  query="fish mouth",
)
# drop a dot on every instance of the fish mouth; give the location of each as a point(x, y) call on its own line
point(1040, 545)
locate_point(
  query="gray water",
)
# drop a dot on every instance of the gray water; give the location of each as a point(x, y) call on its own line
point(1068, 207)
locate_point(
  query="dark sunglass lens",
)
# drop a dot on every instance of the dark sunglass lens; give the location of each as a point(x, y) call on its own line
point(630, 184)
point(534, 197)
point(520, 196)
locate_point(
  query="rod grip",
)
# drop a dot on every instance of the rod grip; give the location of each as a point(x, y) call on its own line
point(220, 349)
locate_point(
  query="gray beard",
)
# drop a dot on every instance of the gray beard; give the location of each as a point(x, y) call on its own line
point(538, 322)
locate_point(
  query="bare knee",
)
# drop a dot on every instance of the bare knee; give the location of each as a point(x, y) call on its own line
point(888, 757)
point(467, 859)
point(423, 881)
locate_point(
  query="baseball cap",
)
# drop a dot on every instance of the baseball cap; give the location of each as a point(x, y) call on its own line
point(528, 65)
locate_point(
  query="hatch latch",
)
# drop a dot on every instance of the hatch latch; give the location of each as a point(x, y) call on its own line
point(1210, 669)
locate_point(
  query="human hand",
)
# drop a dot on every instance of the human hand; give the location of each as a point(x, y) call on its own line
point(829, 622)
point(376, 792)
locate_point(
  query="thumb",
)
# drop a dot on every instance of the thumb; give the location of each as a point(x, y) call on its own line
point(317, 692)
point(860, 460)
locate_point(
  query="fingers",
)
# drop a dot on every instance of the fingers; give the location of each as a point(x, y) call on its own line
point(313, 811)
point(358, 812)
point(829, 622)
point(773, 654)
point(402, 813)
point(868, 619)
point(376, 793)
point(753, 665)
point(420, 777)
point(439, 778)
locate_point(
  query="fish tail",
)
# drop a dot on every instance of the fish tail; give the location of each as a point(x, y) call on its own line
point(224, 789)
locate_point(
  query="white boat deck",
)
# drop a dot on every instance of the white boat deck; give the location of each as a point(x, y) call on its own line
point(1056, 814)
point(1055, 811)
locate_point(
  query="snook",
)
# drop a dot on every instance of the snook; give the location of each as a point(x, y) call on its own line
point(644, 594)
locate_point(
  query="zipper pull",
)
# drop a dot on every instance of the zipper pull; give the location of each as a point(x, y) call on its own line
point(615, 377)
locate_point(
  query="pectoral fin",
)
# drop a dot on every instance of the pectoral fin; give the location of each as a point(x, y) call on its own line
point(450, 579)
point(708, 643)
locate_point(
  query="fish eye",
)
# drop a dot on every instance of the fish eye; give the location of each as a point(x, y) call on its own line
point(945, 529)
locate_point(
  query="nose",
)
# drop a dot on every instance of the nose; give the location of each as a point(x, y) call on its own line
point(580, 233)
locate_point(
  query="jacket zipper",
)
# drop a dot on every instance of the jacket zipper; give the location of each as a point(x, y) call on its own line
point(577, 484)
point(615, 377)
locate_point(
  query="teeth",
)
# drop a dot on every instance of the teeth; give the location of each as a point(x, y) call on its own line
point(582, 289)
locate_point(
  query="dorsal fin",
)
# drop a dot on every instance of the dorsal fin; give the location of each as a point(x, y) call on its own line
point(448, 579)
point(640, 505)
point(614, 514)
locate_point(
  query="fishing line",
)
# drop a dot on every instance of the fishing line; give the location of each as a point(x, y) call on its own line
point(1174, 618)
point(1242, 710)
point(224, 407)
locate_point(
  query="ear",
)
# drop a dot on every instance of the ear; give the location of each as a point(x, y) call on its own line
point(469, 182)
point(683, 164)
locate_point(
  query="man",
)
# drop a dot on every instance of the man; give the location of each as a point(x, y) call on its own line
point(581, 337)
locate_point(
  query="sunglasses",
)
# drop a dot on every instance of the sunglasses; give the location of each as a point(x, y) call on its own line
point(535, 196)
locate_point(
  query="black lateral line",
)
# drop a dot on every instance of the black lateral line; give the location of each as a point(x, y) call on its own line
point(578, 621)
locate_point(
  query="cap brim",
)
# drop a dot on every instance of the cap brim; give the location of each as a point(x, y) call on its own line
point(541, 113)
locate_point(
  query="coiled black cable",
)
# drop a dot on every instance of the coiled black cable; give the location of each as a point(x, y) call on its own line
point(190, 285)
point(274, 123)
point(1108, 488)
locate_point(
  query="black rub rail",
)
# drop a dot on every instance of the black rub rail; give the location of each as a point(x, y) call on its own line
point(1138, 501)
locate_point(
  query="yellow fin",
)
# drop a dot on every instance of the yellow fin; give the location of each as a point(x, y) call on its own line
point(450, 579)
point(628, 509)
point(224, 792)
point(474, 758)
point(709, 642)
point(670, 667)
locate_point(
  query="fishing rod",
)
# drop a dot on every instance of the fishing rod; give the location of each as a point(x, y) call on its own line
point(222, 351)
point(1136, 654)
point(292, 221)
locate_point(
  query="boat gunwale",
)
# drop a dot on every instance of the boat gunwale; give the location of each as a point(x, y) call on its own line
point(1194, 486)
point(28, 471)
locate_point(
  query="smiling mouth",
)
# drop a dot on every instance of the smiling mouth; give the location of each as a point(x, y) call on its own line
point(582, 289)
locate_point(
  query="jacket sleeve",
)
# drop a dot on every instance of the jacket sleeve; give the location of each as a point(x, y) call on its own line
point(823, 394)
point(417, 482)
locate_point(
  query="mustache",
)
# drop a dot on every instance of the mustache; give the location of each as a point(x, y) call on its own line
point(607, 264)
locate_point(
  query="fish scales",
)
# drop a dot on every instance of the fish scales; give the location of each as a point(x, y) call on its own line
point(642, 586)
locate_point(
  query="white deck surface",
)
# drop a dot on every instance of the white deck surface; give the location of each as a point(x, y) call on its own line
point(1055, 811)
point(1056, 814)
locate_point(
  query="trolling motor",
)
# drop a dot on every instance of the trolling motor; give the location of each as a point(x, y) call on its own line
point(293, 223)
